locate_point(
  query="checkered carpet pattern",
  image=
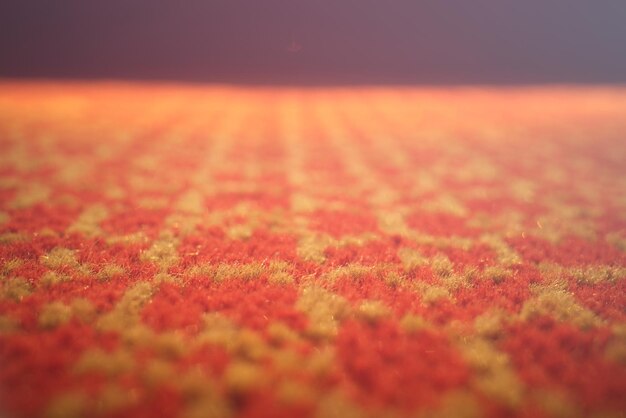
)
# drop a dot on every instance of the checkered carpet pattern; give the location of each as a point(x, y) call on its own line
point(214, 251)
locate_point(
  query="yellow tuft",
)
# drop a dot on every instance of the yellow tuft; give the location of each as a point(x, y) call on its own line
point(126, 312)
point(562, 306)
point(489, 324)
point(51, 278)
point(16, 288)
point(493, 373)
point(442, 266)
point(352, 271)
point(59, 257)
point(286, 360)
point(337, 405)
point(413, 323)
point(615, 350)
point(30, 195)
point(295, 393)
point(303, 203)
point(201, 398)
point(88, 221)
point(394, 279)
point(170, 345)
point(67, 405)
point(137, 335)
point(134, 238)
point(372, 311)
point(431, 294)
point(503, 386)
point(556, 403)
point(156, 372)
point(455, 404)
point(523, 190)
point(11, 265)
point(446, 203)
point(237, 271)
point(311, 248)
point(200, 270)
point(411, 259)
point(325, 310)
point(83, 310)
point(597, 274)
point(217, 329)
point(166, 278)
point(249, 345)
point(281, 278)
point(54, 314)
point(321, 362)
point(191, 202)
point(112, 398)
point(109, 271)
point(506, 255)
point(276, 266)
point(163, 251)
point(183, 223)
point(455, 281)
point(241, 377)
point(240, 232)
point(10, 237)
point(211, 407)
point(108, 364)
point(496, 274)
point(280, 333)
point(617, 240)
point(194, 385)
point(393, 222)
point(7, 324)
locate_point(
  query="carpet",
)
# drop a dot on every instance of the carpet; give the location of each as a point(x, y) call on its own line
point(214, 251)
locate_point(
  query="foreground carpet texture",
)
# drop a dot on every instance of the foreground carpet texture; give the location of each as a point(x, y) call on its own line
point(171, 251)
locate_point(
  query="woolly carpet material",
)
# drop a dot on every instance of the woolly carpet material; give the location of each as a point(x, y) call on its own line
point(171, 251)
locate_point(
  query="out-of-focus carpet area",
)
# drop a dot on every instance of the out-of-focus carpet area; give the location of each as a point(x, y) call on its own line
point(194, 251)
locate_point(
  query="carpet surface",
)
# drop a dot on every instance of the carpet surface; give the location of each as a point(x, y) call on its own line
point(194, 251)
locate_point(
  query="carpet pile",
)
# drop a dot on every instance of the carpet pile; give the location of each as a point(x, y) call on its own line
point(195, 251)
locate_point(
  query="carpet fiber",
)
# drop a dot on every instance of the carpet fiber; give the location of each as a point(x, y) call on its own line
point(192, 251)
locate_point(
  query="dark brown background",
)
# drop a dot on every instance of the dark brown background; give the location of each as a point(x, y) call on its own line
point(343, 42)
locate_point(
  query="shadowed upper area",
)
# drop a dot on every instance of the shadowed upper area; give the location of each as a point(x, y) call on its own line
point(317, 43)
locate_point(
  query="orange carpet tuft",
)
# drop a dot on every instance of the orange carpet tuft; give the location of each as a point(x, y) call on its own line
point(172, 251)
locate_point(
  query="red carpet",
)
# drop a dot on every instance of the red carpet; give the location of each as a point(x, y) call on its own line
point(172, 251)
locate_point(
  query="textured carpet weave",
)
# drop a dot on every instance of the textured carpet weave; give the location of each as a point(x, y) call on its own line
point(170, 251)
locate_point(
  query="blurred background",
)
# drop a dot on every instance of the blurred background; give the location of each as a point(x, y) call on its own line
point(316, 42)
